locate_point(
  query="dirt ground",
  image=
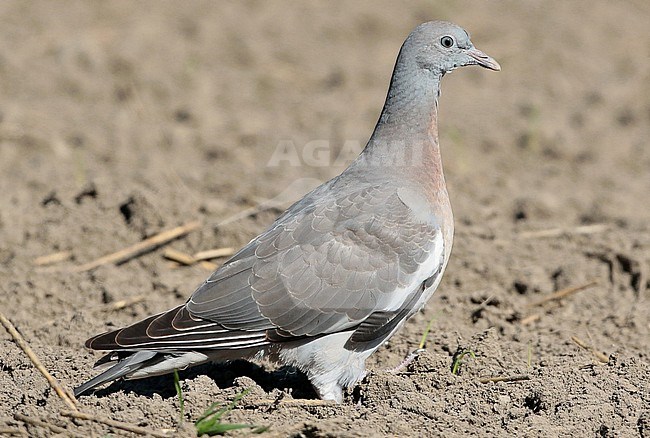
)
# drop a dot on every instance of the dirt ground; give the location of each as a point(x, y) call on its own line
point(122, 119)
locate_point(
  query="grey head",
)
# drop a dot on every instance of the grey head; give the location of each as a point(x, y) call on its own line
point(440, 47)
point(410, 112)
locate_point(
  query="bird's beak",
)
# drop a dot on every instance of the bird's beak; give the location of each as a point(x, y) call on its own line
point(483, 60)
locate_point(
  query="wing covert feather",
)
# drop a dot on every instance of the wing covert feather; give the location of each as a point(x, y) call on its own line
point(327, 267)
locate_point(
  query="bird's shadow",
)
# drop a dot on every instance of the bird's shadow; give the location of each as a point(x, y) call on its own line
point(224, 375)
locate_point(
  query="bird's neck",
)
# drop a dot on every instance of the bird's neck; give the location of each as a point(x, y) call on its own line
point(406, 134)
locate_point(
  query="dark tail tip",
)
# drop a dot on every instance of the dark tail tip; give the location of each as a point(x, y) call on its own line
point(121, 369)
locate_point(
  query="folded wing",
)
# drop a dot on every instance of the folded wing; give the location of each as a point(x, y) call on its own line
point(346, 263)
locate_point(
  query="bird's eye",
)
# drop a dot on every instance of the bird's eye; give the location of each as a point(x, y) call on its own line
point(447, 41)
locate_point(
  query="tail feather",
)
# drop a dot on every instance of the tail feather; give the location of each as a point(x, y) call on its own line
point(164, 342)
point(141, 364)
point(120, 369)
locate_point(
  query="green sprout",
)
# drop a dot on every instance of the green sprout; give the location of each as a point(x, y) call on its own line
point(458, 360)
point(179, 393)
point(425, 335)
point(209, 423)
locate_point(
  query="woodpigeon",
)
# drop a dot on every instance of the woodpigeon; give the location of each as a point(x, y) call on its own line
point(342, 269)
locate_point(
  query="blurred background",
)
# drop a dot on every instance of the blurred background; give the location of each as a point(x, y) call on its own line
point(186, 103)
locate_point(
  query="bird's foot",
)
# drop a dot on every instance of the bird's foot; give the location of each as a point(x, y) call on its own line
point(406, 362)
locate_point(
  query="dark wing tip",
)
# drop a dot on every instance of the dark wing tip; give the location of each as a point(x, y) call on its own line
point(134, 333)
point(103, 341)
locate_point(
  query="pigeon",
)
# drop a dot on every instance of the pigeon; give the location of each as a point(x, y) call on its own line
point(343, 268)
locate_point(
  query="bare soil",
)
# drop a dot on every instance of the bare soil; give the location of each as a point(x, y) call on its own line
point(122, 119)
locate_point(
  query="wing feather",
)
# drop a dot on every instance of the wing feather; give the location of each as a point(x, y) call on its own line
point(158, 332)
point(327, 264)
point(326, 267)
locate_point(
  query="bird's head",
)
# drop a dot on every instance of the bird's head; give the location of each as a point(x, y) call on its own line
point(441, 47)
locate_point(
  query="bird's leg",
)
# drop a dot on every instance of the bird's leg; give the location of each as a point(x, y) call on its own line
point(406, 362)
